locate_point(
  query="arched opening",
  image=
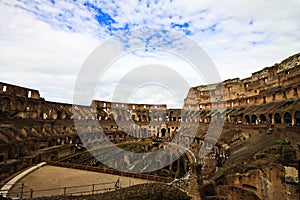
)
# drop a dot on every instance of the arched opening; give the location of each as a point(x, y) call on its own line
point(297, 118)
point(277, 118)
point(287, 118)
point(247, 119)
point(240, 118)
point(5, 104)
point(133, 117)
point(263, 119)
point(270, 118)
point(163, 132)
point(264, 99)
point(144, 118)
point(59, 115)
point(253, 119)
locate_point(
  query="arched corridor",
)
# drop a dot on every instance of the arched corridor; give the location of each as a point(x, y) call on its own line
point(253, 119)
point(247, 119)
point(287, 118)
point(163, 132)
point(277, 118)
point(262, 119)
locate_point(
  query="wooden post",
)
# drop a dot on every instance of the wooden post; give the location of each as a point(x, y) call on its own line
point(22, 190)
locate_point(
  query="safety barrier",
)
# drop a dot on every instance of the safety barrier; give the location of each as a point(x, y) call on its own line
point(21, 191)
point(113, 172)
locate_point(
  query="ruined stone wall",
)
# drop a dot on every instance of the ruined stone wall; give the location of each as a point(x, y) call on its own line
point(29, 123)
point(276, 83)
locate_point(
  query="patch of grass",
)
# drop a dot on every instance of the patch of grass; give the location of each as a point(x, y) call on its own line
point(281, 142)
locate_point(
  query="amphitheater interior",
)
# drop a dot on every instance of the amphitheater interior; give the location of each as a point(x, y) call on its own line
point(238, 139)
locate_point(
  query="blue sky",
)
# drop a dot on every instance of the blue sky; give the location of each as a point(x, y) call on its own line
point(43, 44)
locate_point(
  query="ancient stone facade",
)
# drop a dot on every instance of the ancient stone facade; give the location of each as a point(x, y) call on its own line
point(277, 88)
point(33, 129)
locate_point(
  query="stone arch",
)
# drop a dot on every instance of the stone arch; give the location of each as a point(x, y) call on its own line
point(133, 117)
point(144, 118)
point(69, 140)
point(59, 114)
point(163, 132)
point(5, 104)
point(43, 108)
point(31, 105)
point(263, 118)
point(287, 118)
point(297, 118)
point(253, 119)
point(247, 119)
point(277, 118)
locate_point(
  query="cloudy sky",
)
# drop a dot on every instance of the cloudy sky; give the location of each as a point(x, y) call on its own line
point(44, 44)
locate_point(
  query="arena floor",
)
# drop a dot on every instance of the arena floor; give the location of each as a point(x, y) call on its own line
point(57, 178)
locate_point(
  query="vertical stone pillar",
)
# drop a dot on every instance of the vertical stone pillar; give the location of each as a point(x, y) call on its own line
point(293, 119)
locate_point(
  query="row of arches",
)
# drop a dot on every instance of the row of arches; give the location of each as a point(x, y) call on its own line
point(285, 118)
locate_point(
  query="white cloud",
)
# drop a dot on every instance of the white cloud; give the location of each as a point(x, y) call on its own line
point(35, 55)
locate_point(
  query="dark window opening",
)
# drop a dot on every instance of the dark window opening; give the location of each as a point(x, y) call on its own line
point(163, 132)
point(295, 92)
point(253, 119)
point(265, 99)
point(287, 118)
point(263, 119)
point(284, 94)
point(277, 118)
point(247, 119)
point(59, 115)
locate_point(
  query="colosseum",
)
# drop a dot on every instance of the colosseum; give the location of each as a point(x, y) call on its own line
point(257, 155)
